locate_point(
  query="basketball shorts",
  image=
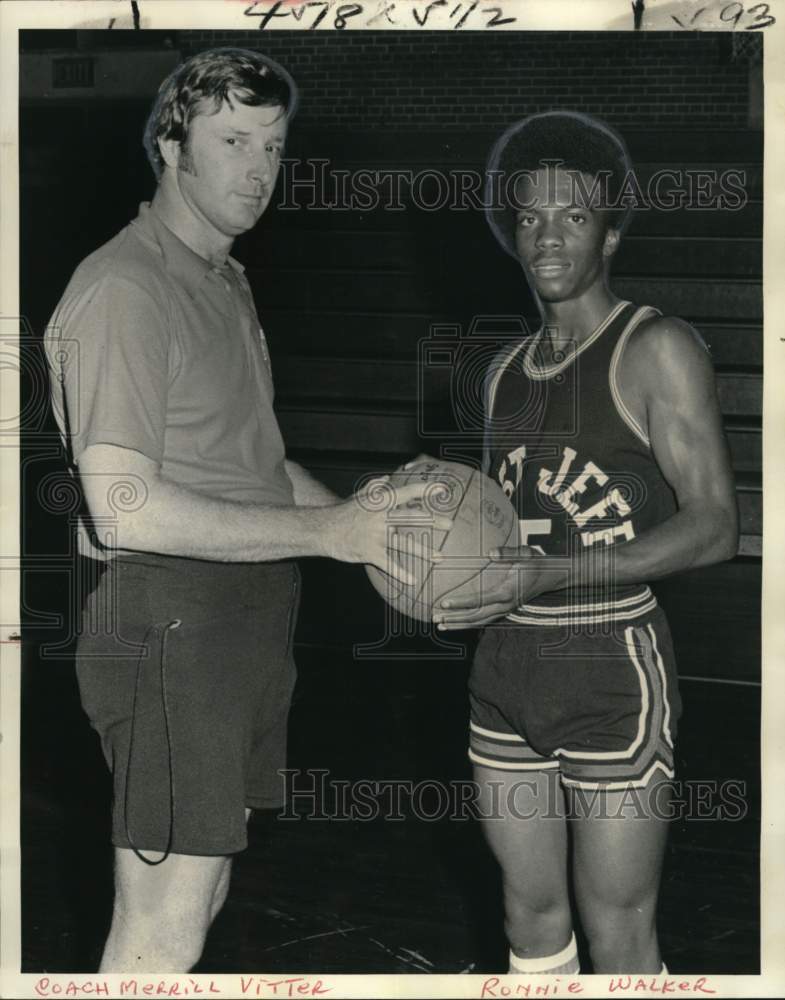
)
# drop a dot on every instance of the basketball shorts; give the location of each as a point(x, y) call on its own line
point(186, 673)
point(599, 707)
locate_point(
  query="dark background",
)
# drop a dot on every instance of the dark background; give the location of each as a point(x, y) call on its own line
point(347, 299)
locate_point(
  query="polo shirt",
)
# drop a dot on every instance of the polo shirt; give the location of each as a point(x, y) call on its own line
point(155, 349)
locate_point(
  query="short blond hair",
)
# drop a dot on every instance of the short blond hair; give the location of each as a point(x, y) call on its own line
point(215, 75)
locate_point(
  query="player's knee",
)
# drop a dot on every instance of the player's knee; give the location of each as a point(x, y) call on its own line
point(622, 939)
point(534, 901)
point(536, 923)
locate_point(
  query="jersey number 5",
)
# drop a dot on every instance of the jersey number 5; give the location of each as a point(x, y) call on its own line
point(533, 526)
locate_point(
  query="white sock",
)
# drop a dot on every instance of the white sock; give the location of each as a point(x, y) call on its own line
point(664, 970)
point(565, 960)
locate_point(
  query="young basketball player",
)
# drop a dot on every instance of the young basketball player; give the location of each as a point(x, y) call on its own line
point(604, 430)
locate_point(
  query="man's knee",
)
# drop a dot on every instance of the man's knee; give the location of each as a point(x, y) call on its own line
point(174, 930)
point(182, 944)
point(220, 894)
point(170, 907)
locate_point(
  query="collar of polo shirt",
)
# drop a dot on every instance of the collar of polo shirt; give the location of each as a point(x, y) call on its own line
point(180, 260)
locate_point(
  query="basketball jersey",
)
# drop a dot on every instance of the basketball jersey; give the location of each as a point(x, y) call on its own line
point(576, 464)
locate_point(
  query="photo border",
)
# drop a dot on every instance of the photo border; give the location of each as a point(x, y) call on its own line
point(530, 15)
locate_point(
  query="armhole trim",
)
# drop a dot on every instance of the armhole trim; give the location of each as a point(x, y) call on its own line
point(644, 312)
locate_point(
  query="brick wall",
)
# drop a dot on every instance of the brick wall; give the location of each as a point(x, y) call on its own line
point(403, 81)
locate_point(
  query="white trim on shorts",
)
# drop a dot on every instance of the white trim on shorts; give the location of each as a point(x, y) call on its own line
point(621, 786)
point(629, 639)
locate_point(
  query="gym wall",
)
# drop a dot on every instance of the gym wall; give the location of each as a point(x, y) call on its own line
point(348, 298)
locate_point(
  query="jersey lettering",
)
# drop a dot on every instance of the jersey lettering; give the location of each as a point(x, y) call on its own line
point(546, 483)
point(590, 471)
point(613, 500)
point(608, 535)
point(515, 466)
point(534, 526)
point(567, 493)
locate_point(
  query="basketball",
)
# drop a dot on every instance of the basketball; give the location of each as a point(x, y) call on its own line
point(483, 520)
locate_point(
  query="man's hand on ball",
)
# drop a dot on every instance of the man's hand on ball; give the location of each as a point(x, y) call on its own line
point(421, 460)
point(366, 528)
point(514, 576)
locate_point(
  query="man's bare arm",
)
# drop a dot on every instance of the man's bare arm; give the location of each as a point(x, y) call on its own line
point(308, 491)
point(134, 508)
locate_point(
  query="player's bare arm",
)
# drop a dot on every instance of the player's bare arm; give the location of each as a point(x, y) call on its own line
point(668, 364)
point(667, 382)
point(171, 519)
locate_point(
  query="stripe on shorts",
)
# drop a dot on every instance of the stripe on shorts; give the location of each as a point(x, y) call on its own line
point(590, 613)
point(621, 786)
point(650, 750)
point(506, 751)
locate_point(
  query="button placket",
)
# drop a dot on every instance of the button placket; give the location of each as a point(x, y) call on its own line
point(252, 313)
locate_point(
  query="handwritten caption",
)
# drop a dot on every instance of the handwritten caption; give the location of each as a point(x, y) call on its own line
point(312, 14)
point(734, 15)
point(511, 986)
point(300, 986)
point(294, 986)
point(474, 15)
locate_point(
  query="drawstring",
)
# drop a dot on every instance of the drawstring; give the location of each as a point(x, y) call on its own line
point(175, 623)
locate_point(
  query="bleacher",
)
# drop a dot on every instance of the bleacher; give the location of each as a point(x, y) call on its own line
point(348, 298)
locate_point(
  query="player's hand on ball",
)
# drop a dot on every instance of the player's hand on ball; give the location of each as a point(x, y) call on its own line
point(513, 576)
point(363, 530)
point(481, 519)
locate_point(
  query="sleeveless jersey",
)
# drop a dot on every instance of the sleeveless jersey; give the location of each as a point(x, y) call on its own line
point(575, 463)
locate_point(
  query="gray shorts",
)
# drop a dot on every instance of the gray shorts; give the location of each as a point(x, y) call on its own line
point(186, 673)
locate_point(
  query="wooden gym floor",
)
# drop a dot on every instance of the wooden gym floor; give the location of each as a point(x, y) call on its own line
point(380, 896)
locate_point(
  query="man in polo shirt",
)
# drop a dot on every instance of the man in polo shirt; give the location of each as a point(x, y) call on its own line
point(163, 393)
